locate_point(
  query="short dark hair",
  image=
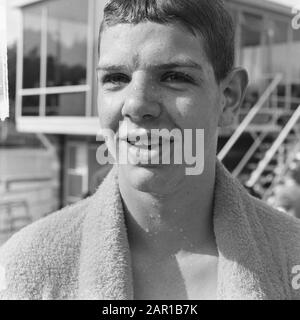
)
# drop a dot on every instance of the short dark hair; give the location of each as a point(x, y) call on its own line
point(209, 17)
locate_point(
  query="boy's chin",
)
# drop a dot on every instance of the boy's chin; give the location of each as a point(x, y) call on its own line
point(158, 179)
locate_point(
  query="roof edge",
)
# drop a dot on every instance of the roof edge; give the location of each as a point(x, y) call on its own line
point(255, 3)
point(270, 5)
point(22, 3)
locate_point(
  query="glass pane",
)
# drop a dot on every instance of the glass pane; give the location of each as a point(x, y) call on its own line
point(31, 49)
point(280, 31)
point(277, 48)
point(72, 157)
point(252, 51)
point(65, 104)
point(30, 105)
point(252, 27)
point(252, 56)
point(296, 90)
point(75, 185)
point(67, 23)
point(294, 55)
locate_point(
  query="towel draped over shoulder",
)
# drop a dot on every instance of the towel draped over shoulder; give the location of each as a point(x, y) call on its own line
point(82, 251)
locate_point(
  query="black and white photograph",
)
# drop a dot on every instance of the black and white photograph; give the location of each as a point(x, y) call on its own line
point(149, 150)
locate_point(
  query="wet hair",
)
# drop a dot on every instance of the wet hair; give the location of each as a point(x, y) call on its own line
point(207, 17)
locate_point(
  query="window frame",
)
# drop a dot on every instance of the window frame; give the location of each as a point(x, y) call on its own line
point(267, 15)
point(43, 90)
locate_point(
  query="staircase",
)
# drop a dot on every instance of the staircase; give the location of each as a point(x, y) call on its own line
point(275, 142)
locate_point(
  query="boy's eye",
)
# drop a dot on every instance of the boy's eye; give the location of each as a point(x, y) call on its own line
point(178, 77)
point(115, 79)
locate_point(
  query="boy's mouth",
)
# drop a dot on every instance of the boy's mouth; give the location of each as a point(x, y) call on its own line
point(145, 139)
point(147, 147)
point(148, 143)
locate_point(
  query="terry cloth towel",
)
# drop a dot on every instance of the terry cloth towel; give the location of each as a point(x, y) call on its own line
point(82, 251)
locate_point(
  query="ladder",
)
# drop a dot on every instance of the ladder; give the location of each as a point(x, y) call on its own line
point(274, 143)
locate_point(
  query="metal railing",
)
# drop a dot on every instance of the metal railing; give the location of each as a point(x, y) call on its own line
point(274, 148)
point(249, 117)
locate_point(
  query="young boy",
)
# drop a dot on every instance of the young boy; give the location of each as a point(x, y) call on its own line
point(152, 231)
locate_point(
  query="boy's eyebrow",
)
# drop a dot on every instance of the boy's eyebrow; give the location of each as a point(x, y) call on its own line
point(180, 63)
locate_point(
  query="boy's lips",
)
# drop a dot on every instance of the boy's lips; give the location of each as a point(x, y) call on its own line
point(149, 143)
point(145, 139)
point(146, 155)
point(146, 147)
point(143, 144)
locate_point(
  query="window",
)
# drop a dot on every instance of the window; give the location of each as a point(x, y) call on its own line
point(30, 105)
point(65, 104)
point(294, 57)
point(32, 23)
point(295, 70)
point(251, 52)
point(277, 48)
point(252, 27)
point(57, 43)
point(66, 43)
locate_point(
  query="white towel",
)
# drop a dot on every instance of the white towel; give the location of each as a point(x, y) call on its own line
point(82, 251)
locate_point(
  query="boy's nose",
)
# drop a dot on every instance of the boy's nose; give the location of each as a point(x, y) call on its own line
point(141, 102)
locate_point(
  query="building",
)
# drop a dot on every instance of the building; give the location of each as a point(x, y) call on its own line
point(57, 87)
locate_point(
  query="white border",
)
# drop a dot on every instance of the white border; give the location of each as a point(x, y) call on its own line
point(59, 125)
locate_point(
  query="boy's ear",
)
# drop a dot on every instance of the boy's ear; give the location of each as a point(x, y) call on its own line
point(233, 90)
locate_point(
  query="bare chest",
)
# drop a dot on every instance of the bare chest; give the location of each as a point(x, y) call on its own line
point(183, 277)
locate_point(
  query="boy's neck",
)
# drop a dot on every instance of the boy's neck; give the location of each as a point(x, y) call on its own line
point(182, 220)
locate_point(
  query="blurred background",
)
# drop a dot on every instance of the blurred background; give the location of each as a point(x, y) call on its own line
point(48, 145)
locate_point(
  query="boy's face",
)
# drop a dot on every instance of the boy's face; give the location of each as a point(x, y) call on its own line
point(154, 76)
